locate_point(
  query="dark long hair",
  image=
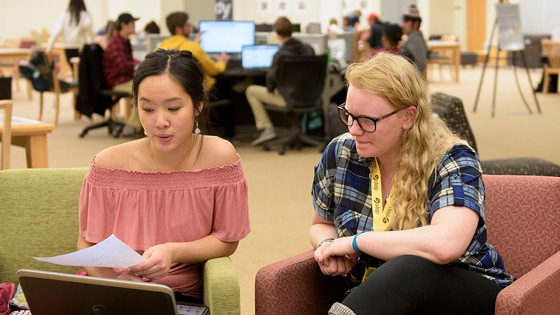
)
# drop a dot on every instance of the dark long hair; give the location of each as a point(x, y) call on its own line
point(75, 7)
point(183, 68)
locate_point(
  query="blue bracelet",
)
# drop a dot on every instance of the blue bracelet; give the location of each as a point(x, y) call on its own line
point(355, 245)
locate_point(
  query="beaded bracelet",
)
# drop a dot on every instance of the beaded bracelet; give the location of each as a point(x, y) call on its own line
point(330, 239)
point(355, 245)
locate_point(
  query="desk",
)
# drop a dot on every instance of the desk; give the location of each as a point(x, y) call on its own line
point(453, 47)
point(32, 135)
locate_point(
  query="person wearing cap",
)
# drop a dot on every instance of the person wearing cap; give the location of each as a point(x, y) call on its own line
point(118, 64)
point(415, 47)
point(376, 31)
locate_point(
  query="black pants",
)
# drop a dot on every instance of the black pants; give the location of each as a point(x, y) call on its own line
point(71, 53)
point(414, 285)
point(188, 299)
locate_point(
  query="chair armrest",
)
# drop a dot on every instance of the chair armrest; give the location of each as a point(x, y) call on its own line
point(520, 166)
point(536, 292)
point(220, 287)
point(296, 286)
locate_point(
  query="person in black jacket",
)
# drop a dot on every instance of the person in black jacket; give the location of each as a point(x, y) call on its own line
point(257, 95)
point(376, 31)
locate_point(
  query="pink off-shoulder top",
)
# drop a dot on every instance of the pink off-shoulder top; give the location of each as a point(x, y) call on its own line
point(146, 208)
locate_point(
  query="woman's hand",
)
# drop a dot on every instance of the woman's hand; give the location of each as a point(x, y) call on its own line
point(340, 247)
point(158, 260)
point(334, 265)
point(125, 275)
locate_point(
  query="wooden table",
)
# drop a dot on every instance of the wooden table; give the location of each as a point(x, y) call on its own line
point(454, 48)
point(32, 135)
point(14, 56)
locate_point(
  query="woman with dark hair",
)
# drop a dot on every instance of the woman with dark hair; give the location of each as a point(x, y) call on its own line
point(178, 197)
point(76, 28)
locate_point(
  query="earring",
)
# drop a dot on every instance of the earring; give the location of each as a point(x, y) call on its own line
point(196, 131)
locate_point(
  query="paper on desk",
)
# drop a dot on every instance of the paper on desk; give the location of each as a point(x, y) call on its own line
point(111, 252)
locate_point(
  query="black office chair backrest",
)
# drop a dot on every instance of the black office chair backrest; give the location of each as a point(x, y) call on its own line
point(92, 82)
point(301, 80)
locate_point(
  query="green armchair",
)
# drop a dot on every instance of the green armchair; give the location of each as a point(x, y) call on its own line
point(39, 217)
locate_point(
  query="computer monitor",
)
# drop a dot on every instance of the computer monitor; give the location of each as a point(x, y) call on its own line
point(317, 41)
point(258, 56)
point(226, 36)
point(263, 27)
point(263, 38)
point(153, 41)
point(348, 43)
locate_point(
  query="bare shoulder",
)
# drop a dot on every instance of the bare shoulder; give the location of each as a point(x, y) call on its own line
point(118, 156)
point(216, 151)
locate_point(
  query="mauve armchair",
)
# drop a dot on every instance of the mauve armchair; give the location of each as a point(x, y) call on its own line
point(523, 221)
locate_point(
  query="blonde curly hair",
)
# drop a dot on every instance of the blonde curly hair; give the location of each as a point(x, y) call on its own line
point(397, 81)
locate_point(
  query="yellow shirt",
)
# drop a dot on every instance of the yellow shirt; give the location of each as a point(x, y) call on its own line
point(209, 66)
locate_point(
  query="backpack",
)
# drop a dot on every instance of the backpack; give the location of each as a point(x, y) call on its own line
point(38, 70)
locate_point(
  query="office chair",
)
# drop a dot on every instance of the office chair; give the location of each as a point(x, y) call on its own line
point(59, 86)
point(300, 80)
point(94, 97)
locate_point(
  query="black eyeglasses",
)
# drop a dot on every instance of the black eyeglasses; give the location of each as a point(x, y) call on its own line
point(368, 124)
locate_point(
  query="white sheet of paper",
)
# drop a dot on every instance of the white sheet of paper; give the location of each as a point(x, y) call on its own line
point(112, 252)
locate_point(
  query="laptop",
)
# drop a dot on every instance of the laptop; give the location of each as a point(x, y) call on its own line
point(68, 294)
point(258, 56)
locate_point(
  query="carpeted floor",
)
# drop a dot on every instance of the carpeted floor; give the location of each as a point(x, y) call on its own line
point(279, 196)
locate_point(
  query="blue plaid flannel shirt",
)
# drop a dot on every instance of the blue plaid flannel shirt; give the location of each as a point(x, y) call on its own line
point(342, 194)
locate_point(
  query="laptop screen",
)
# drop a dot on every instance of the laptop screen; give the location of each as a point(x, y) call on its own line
point(66, 294)
point(258, 56)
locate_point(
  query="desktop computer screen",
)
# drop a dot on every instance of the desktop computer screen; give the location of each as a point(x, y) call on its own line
point(226, 36)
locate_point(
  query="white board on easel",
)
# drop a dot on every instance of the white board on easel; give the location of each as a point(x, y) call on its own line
point(509, 22)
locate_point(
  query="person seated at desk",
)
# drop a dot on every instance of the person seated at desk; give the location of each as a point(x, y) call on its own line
point(392, 34)
point(177, 196)
point(376, 31)
point(257, 94)
point(414, 47)
point(118, 65)
point(150, 28)
point(178, 25)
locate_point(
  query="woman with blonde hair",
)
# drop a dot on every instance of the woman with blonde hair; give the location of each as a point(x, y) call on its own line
point(399, 203)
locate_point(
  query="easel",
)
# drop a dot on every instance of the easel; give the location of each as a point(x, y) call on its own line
point(496, 76)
